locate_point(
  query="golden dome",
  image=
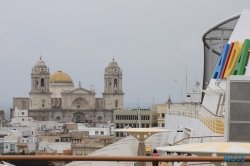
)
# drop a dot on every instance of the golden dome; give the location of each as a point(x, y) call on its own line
point(60, 77)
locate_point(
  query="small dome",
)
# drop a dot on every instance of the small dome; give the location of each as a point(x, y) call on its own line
point(40, 63)
point(113, 65)
point(60, 77)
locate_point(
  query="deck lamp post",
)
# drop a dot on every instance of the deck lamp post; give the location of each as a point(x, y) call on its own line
point(141, 134)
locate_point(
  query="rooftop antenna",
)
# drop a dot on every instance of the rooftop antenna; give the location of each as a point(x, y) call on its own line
point(40, 57)
point(113, 57)
point(186, 80)
point(139, 114)
point(181, 96)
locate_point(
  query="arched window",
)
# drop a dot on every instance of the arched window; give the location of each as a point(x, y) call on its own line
point(42, 82)
point(116, 103)
point(78, 118)
point(115, 82)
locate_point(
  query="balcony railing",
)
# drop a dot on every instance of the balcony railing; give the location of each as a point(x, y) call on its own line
point(119, 158)
point(214, 122)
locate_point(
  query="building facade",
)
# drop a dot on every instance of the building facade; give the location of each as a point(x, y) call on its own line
point(55, 98)
point(129, 118)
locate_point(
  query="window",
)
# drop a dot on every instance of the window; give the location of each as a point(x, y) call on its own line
point(102, 133)
point(188, 95)
point(116, 103)
point(43, 104)
point(159, 115)
point(163, 115)
point(56, 140)
point(96, 132)
point(42, 82)
point(163, 125)
point(22, 113)
point(12, 147)
point(78, 152)
point(22, 119)
point(115, 82)
point(117, 134)
point(6, 146)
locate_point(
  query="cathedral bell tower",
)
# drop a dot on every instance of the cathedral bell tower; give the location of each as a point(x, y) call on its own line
point(40, 94)
point(113, 94)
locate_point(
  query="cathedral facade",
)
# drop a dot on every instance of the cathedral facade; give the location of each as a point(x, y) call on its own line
point(55, 98)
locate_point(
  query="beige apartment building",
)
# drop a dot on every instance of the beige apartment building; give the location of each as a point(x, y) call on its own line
point(129, 118)
point(161, 110)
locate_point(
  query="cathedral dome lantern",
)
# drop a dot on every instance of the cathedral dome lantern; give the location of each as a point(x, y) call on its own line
point(113, 65)
point(60, 77)
point(113, 68)
point(40, 64)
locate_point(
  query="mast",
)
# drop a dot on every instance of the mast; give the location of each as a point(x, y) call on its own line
point(186, 80)
point(139, 114)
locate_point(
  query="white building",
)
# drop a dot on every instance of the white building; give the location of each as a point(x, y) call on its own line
point(21, 118)
point(52, 146)
point(93, 131)
point(10, 142)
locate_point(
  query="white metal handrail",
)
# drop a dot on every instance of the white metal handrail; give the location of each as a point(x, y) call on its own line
point(214, 122)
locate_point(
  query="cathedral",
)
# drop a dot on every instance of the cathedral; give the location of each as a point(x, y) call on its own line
point(53, 97)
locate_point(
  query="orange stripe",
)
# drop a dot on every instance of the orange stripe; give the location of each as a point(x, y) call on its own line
point(228, 57)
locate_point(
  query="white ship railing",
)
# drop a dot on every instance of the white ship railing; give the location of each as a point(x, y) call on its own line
point(192, 110)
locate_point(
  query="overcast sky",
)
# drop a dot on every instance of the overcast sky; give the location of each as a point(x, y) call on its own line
point(152, 41)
